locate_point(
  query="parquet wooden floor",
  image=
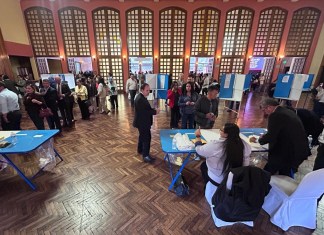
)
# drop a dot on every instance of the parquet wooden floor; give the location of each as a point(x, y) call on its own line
point(103, 187)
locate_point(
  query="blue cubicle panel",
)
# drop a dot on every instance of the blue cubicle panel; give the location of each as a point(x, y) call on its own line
point(247, 83)
point(163, 81)
point(283, 85)
point(308, 83)
point(162, 94)
point(226, 92)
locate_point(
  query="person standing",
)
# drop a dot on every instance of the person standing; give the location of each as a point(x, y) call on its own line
point(33, 103)
point(102, 94)
point(173, 97)
point(288, 143)
point(187, 103)
point(206, 108)
point(82, 94)
point(143, 120)
point(50, 96)
point(9, 109)
point(64, 93)
point(113, 92)
point(131, 87)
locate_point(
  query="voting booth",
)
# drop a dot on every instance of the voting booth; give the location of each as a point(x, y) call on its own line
point(290, 86)
point(232, 87)
point(159, 84)
point(66, 77)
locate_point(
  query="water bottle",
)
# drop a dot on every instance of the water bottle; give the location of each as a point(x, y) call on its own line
point(13, 138)
point(174, 143)
point(310, 140)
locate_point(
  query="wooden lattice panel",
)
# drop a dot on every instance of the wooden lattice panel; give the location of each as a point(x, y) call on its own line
point(172, 40)
point(107, 32)
point(75, 31)
point(298, 65)
point(268, 68)
point(231, 65)
point(302, 30)
point(71, 64)
point(271, 25)
point(113, 65)
point(41, 30)
point(204, 32)
point(140, 32)
point(42, 65)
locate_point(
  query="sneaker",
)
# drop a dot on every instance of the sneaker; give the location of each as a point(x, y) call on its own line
point(196, 158)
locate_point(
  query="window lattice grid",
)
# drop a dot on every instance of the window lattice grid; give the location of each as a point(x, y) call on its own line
point(71, 64)
point(237, 30)
point(298, 65)
point(140, 32)
point(165, 65)
point(271, 25)
point(172, 32)
point(268, 68)
point(113, 65)
point(75, 32)
point(172, 66)
point(42, 65)
point(107, 32)
point(231, 65)
point(301, 32)
point(41, 31)
point(204, 32)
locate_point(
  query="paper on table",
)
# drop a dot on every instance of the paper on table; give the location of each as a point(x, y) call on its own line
point(37, 136)
point(6, 134)
point(210, 135)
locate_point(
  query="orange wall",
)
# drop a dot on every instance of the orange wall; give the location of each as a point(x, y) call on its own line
point(189, 7)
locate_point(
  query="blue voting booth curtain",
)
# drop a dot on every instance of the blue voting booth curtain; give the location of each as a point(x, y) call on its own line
point(162, 87)
point(247, 83)
point(228, 91)
point(283, 85)
point(308, 83)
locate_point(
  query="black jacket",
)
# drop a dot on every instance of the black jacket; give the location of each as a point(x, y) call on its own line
point(50, 98)
point(288, 144)
point(244, 200)
point(66, 91)
point(143, 112)
point(202, 107)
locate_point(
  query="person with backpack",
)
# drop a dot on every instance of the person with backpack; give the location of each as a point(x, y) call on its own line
point(230, 151)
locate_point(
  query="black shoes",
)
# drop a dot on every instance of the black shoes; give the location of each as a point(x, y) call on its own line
point(148, 159)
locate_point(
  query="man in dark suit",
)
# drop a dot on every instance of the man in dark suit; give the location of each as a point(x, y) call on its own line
point(143, 121)
point(51, 97)
point(63, 93)
point(288, 144)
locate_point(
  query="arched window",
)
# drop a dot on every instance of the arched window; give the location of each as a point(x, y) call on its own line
point(41, 30)
point(172, 40)
point(75, 31)
point(106, 24)
point(301, 32)
point(271, 25)
point(237, 32)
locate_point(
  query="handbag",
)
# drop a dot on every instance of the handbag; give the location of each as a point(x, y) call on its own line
point(45, 112)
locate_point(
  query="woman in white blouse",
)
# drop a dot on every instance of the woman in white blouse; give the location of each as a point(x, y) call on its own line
point(230, 151)
point(102, 94)
point(82, 93)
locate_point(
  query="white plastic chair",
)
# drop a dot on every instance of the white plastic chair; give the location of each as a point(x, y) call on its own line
point(210, 191)
point(290, 204)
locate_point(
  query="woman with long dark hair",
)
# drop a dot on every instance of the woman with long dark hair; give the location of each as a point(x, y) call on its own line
point(173, 96)
point(187, 103)
point(230, 151)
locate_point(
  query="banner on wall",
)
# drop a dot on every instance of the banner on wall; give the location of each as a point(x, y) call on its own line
point(66, 77)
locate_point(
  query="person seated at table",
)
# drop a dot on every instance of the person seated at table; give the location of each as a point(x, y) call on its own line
point(206, 108)
point(230, 151)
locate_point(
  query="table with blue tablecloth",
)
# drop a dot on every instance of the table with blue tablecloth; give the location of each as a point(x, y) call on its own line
point(23, 142)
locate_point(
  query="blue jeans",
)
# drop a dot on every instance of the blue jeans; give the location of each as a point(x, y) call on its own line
point(185, 119)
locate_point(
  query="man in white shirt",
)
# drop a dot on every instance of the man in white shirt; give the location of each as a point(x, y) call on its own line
point(131, 87)
point(9, 109)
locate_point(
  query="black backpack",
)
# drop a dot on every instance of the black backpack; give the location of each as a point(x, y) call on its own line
point(181, 187)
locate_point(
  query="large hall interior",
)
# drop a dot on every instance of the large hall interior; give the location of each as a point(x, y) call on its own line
point(104, 185)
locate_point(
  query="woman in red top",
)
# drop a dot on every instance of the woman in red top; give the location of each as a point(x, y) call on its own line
point(173, 96)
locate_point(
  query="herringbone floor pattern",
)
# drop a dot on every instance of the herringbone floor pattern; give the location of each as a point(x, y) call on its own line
point(103, 187)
